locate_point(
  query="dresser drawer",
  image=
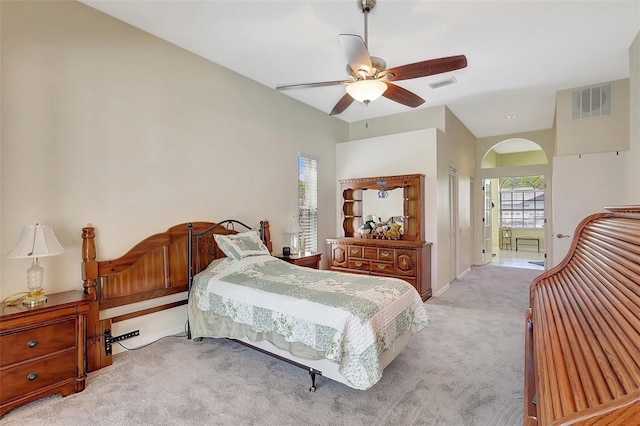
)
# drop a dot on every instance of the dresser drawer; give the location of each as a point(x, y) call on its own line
point(385, 254)
point(380, 267)
point(35, 375)
point(406, 262)
point(37, 342)
point(339, 255)
point(356, 251)
point(359, 264)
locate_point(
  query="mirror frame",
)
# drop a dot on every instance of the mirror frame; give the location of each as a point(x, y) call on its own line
point(413, 203)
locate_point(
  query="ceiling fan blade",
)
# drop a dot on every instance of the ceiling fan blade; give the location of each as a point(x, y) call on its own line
point(342, 104)
point(307, 85)
point(426, 68)
point(357, 53)
point(402, 95)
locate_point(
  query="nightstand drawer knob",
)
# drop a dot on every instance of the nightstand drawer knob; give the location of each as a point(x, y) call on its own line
point(31, 377)
point(32, 343)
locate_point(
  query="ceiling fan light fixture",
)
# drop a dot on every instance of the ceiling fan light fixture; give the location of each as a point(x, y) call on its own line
point(366, 91)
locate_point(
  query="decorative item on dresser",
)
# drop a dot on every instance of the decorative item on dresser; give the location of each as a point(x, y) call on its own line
point(42, 349)
point(310, 260)
point(582, 341)
point(382, 221)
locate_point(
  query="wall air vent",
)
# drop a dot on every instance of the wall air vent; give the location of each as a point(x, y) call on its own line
point(442, 83)
point(591, 102)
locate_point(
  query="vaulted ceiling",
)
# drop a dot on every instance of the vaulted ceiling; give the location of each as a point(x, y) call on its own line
point(519, 53)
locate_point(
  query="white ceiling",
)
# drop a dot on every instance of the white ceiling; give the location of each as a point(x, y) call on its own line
point(519, 52)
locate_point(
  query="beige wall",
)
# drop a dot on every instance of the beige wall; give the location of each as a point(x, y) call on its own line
point(593, 135)
point(108, 125)
point(425, 118)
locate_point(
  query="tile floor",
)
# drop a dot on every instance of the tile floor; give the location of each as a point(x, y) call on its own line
point(518, 259)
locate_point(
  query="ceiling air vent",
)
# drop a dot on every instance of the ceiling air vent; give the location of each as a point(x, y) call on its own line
point(442, 83)
point(591, 102)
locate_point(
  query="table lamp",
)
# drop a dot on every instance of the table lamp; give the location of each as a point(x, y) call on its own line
point(293, 228)
point(34, 242)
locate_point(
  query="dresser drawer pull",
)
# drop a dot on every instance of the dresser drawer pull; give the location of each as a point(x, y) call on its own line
point(32, 343)
point(354, 252)
point(358, 264)
point(384, 254)
point(382, 266)
point(31, 377)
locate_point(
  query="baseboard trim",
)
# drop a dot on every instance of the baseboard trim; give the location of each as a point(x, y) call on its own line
point(463, 273)
point(442, 290)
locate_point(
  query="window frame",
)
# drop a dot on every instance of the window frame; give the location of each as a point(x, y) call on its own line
point(308, 201)
point(522, 207)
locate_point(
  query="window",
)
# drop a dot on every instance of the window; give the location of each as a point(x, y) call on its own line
point(308, 201)
point(522, 202)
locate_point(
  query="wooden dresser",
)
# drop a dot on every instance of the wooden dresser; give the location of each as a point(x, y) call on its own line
point(42, 349)
point(399, 259)
point(406, 256)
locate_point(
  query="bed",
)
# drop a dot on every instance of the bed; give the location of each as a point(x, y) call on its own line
point(237, 290)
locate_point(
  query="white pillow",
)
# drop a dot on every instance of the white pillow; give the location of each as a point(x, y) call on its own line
point(244, 244)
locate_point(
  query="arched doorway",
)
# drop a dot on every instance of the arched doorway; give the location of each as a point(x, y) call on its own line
point(515, 221)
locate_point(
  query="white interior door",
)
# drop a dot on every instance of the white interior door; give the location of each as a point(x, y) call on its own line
point(453, 223)
point(487, 248)
point(579, 192)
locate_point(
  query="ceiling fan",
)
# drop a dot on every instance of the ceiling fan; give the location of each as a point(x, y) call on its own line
point(369, 78)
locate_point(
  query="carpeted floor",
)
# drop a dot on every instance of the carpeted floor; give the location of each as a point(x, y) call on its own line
point(466, 368)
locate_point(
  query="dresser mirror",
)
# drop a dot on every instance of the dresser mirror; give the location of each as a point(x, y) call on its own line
point(383, 197)
point(381, 209)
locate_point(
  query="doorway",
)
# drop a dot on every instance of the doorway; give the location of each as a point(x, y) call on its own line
point(516, 214)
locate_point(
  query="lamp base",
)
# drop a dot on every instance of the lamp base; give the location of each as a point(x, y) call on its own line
point(35, 300)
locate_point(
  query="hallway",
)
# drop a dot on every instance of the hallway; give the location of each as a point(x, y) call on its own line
point(518, 259)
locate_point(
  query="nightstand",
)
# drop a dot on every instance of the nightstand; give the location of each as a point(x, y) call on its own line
point(310, 260)
point(42, 349)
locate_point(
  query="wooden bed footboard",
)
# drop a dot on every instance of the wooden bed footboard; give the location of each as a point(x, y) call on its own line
point(156, 267)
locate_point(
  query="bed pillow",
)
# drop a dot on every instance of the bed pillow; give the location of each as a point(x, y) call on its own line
point(244, 244)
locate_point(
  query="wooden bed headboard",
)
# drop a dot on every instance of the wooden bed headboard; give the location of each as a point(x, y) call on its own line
point(155, 267)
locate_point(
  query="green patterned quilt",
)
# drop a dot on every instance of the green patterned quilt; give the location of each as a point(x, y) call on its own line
point(351, 318)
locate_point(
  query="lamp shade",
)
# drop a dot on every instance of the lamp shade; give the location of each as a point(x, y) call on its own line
point(293, 226)
point(36, 241)
point(366, 91)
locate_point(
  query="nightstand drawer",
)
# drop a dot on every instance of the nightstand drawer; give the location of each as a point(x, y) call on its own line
point(37, 342)
point(36, 375)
